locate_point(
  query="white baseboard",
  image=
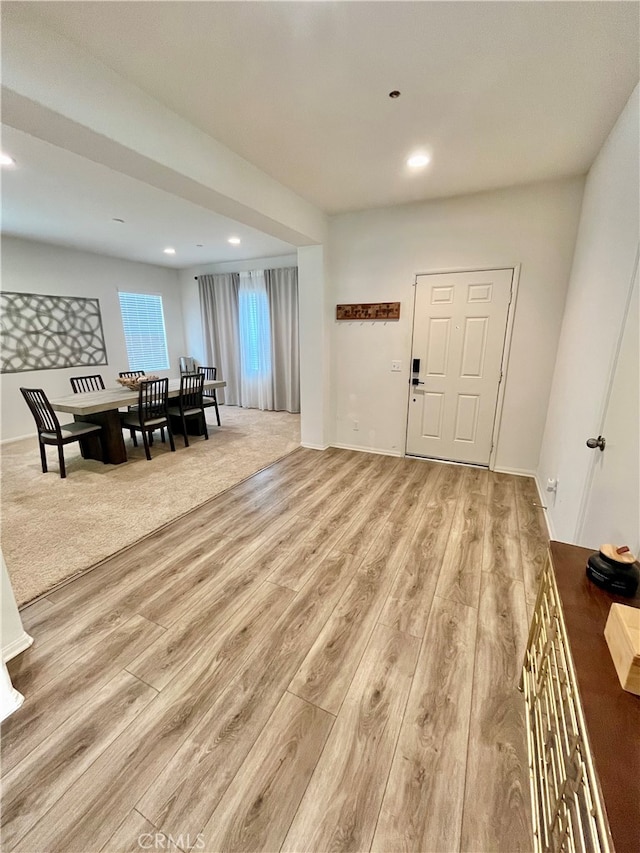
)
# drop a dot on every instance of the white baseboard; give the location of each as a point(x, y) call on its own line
point(518, 472)
point(16, 646)
point(18, 438)
point(543, 503)
point(368, 449)
point(11, 701)
point(314, 446)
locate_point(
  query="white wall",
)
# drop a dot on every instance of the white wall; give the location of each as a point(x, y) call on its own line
point(191, 300)
point(600, 283)
point(314, 348)
point(32, 267)
point(374, 256)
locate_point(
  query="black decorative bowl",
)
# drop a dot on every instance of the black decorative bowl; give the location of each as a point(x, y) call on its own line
point(612, 575)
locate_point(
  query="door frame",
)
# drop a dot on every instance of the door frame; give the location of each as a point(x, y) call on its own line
point(506, 346)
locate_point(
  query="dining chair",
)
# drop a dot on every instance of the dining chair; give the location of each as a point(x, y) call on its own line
point(82, 384)
point(190, 403)
point(130, 374)
point(209, 397)
point(51, 432)
point(151, 413)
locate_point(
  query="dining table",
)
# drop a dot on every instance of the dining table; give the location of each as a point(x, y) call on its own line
point(101, 407)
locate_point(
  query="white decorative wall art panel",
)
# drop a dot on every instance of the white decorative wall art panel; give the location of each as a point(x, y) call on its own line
point(40, 332)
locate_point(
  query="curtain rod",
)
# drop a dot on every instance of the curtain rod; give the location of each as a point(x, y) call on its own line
point(196, 277)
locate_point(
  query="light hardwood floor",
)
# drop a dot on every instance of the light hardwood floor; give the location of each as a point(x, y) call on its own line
point(323, 658)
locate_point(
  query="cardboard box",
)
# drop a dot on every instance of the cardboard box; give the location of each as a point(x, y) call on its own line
point(622, 633)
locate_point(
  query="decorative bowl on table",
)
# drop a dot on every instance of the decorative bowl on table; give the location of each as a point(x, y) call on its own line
point(133, 382)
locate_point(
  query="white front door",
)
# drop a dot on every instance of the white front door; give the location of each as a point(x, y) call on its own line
point(459, 329)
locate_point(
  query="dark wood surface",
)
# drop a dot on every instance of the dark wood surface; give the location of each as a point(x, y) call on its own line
point(612, 714)
point(113, 445)
point(369, 311)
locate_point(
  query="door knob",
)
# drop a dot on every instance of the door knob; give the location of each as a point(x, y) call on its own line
point(596, 442)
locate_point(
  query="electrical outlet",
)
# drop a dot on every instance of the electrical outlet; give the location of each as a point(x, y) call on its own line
point(356, 425)
point(396, 366)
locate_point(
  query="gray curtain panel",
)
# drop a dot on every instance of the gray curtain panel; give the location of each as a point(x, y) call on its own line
point(221, 331)
point(282, 287)
point(221, 324)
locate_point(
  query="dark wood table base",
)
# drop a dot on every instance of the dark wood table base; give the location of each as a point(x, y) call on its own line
point(115, 451)
point(194, 425)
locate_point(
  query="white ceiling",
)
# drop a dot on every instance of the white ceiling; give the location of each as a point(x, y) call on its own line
point(500, 93)
point(58, 197)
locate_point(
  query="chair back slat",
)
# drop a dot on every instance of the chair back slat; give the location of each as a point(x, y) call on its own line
point(40, 407)
point(152, 399)
point(191, 390)
point(82, 384)
point(131, 374)
point(208, 372)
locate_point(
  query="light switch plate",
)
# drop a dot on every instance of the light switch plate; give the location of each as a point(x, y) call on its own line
point(396, 366)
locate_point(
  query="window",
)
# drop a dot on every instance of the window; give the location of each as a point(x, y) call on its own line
point(255, 337)
point(144, 332)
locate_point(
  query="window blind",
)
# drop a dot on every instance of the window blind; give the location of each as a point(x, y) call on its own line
point(144, 331)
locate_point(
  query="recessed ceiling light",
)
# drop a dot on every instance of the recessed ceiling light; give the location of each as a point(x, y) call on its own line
point(235, 241)
point(169, 251)
point(117, 219)
point(418, 160)
point(5, 160)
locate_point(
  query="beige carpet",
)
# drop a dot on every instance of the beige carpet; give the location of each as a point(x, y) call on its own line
point(53, 528)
